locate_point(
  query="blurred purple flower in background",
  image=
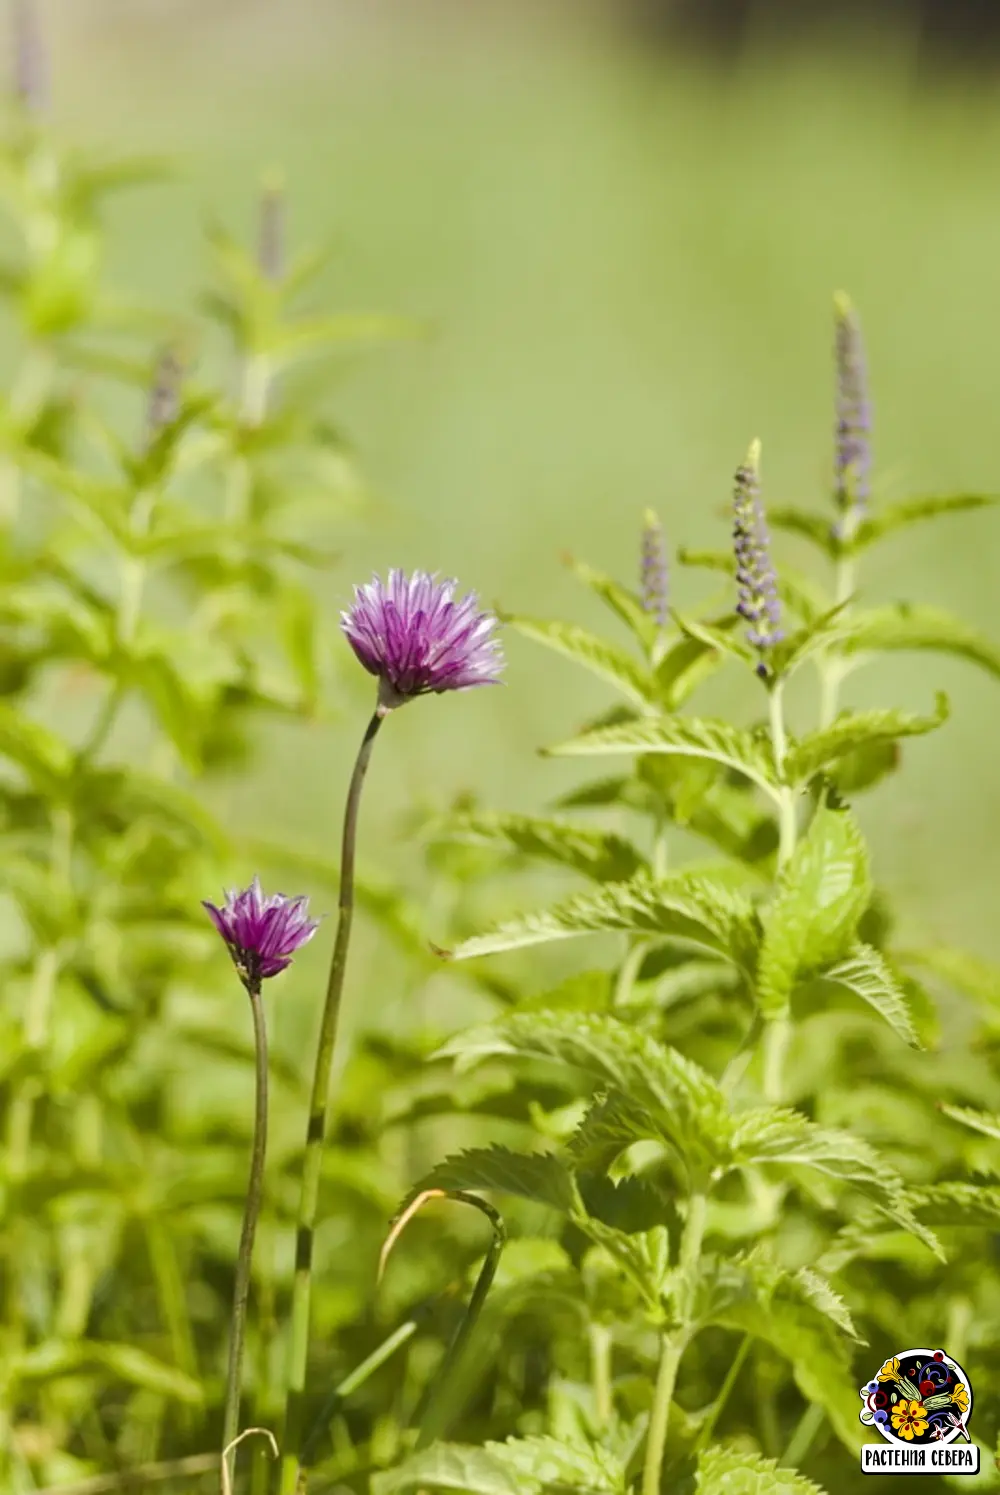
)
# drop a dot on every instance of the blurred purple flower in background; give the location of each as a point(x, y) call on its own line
point(262, 934)
point(653, 575)
point(852, 438)
point(418, 640)
point(758, 599)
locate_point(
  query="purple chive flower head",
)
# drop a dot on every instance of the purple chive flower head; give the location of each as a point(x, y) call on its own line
point(262, 934)
point(653, 572)
point(852, 440)
point(412, 634)
point(755, 576)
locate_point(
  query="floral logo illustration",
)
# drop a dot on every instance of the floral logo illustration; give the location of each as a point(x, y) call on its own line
point(919, 1398)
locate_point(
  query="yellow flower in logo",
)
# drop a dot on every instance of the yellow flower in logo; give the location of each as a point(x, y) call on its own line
point(909, 1419)
point(960, 1397)
point(890, 1370)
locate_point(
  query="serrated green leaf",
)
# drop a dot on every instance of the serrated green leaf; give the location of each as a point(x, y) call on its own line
point(826, 1300)
point(699, 910)
point(822, 892)
point(779, 1135)
point(559, 1465)
point(454, 1466)
point(685, 737)
point(892, 517)
point(913, 626)
point(957, 1204)
point(605, 660)
point(597, 854)
point(867, 973)
point(684, 1103)
point(613, 1123)
point(622, 602)
point(540, 1176)
point(852, 730)
point(689, 662)
point(976, 1121)
point(734, 1471)
point(722, 639)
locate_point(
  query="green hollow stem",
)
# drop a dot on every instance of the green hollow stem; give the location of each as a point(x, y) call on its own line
point(600, 1372)
point(319, 1101)
point(251, 1214)
point(725, 1391)
point(673, 1343)
point(803, 1436)
point(356, 1379)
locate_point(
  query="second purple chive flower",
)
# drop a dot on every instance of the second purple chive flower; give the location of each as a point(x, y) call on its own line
point(758, 601)
point(262, 934)
point(416, 639)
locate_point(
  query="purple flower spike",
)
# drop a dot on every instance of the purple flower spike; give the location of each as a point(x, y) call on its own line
point(414, 636)
point(852, 441)
point(653, 571)
point(262, 934)
point(758, 599)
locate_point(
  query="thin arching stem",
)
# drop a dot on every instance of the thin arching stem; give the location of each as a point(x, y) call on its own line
point(298, 1344)
point(251, 1214)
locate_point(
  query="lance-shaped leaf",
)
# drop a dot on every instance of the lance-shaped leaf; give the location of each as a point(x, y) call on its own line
point(692, 660)
point(683, 737)
point(911, 626)
point(696, 909)
point(892, 517)
point(597, 854)
point(735, 1471)
point(957, 1204)
point(644, 1258)
point(605, 660)
point(684, 1103)
point(977, 1121)
point(867, 973)
point(755, 1295)
point(826, 1300)
point(822, 892)
point(815, 528)
point(819, 633)
point(779, 1135)
point(624, 603)
point(852, 730)
point(539, 1176)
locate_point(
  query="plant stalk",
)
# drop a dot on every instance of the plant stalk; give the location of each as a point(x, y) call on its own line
point(298, 1344)
point(673, 1344)
point(251, 1214)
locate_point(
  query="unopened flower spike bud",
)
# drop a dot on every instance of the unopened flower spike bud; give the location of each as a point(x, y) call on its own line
point(164, 402)
point(757, 584)
point(31, 58)
point(262, 934)
point(417, 640)
point(653, 575)
point(271, 230)
point(852, 435)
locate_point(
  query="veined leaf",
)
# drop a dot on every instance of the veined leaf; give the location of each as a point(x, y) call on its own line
point(644, 1258)
point(622, 602)
point(613, 1123)
point(734, 1471)
point(823, 1297)
point(597, 854)
point(559, 1465)
point(892, 517)
point(852, 730)
point(690, 661)
point(779, 1135)
point(815, 528)
point(685, 737)
point(976, 1121)
point(957, 1204)
point(605, 660)
point(911, 626)
point(699, 910)
point(454, 1466)
point(822, 893)
point(723, 640)
point(683, 1100)
point(866, 973)
point(540, 1176)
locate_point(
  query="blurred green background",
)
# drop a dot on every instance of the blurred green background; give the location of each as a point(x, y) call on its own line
point(627, 258)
